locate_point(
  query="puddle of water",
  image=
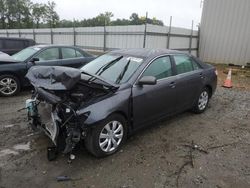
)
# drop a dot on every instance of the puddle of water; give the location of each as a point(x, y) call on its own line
point(5, 152)
point(22, 146)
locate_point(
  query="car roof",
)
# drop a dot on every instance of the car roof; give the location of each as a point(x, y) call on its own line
point(52, 45)
point(146, 52)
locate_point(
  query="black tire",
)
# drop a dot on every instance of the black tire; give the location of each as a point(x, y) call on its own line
point(92, 139)
point(14, 80)
point(198, 108)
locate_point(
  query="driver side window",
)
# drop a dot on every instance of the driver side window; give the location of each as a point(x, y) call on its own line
point(49, 54)
point(159, 68)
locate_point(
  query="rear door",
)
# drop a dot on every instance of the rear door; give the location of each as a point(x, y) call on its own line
point(72, 57)
point(190, 81)
point(151, 102)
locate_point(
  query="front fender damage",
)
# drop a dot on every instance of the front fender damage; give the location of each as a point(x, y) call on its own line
point(60, 93)
point(98, 111)
point(58, 121)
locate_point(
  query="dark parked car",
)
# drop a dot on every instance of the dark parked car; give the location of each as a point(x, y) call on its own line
point(13, 70)
point(10, 45)
point(116, 94)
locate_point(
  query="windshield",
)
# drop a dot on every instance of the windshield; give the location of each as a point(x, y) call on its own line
point(25, 54)
point(114, 68)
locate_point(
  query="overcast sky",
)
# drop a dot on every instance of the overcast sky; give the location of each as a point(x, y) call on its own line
point(183, 11)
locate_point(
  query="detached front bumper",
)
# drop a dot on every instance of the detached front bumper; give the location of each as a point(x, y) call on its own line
point(58, 121)
point(41, 115)
point(49, 121)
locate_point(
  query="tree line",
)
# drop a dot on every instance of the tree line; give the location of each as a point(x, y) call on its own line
point(18, 14)
point(25, 14)
point(105, 19)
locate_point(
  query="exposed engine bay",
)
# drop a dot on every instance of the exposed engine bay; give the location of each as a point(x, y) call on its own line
point(59, 94)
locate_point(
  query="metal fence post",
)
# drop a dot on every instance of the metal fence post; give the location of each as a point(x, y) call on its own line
point(74, 32)
point(198, 42)
point(191, 38)
point(145, 31)
point(7, 33)
point(104, 36)
point(51, 36)
point(34, 35)
point(169, 32)
point(19, 33)
point(74, 35)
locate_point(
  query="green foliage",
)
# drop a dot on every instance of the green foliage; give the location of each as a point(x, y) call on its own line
point(25, 14)
point(16, 14)
point(39, 13)
point(100, 20)
point(2, 13)
point(105, 19)
point(51, 15)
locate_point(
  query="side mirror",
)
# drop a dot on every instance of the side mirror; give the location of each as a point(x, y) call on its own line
point(147, 80)
point(34, 59)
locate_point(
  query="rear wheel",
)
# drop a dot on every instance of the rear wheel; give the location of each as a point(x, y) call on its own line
point(202, 101)
point(9, 85)
point(107, 137)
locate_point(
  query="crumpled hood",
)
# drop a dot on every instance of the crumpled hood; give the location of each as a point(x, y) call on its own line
point(53, 77)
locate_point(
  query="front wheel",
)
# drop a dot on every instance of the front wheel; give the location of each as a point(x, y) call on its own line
point(107, 137)
point(9, 85)
point(202, 101)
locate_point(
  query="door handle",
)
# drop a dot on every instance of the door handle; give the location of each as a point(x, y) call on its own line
point(201, 76)
point(172, 85)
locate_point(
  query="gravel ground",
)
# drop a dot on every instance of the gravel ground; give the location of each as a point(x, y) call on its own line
point(154, 157)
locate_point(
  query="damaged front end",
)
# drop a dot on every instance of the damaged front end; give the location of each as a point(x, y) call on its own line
point(59, 93)
point(47, 118)
point(57, 118)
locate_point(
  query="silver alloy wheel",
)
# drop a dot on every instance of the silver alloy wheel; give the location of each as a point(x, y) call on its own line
point(111, 136)
point(8, 86)
point(203, 100)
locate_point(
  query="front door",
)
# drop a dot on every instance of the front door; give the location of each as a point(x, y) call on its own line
point(49, 57)
point(151, 102)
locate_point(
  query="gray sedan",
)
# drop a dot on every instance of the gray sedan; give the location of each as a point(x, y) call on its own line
point(115, 95)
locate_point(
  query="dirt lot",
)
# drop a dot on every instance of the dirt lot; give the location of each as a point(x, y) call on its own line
point(154, 157)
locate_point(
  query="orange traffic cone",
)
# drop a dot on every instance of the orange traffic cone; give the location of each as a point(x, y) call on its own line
point(228, 81)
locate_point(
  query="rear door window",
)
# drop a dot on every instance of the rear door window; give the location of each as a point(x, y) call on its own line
point(79, 54)
point(68, 53)
point(195, 65)
point(159, 68)
point(183, 64)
